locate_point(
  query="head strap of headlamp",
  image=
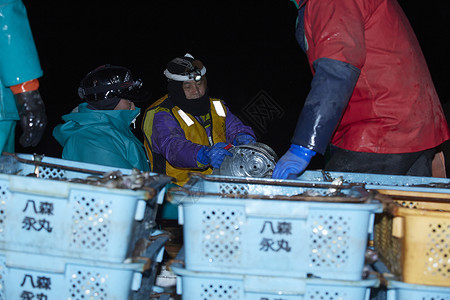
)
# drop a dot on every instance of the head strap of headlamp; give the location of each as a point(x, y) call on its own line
point(128, 85)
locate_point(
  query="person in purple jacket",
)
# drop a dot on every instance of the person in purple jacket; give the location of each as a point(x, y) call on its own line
point(186, 130)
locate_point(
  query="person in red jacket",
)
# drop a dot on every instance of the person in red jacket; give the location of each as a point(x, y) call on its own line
point(371, 95)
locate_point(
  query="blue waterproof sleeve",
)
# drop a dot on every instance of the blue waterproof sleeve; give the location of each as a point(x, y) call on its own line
point(19, 57)
point(331, 88)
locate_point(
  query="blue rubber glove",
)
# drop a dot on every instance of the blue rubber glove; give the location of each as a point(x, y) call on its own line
point(293, 162)
point(243, 139)
point(214, 155)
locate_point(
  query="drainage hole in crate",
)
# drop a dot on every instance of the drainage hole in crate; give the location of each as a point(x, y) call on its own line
point(435, 297)
point(325, 295)
point(438, 251)
point(90, 222)
point(329, 241)
point(233, 189)
point(88, 285)
point(221, 235)
point(45, 172)
point(409, 204)
point(4, 197)
point(214, 291)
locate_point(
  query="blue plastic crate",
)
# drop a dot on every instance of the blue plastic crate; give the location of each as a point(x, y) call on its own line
point(380, 181)
point(208, 286)
point(32, 276)
point(269, 227)
point(54, 168)
point(53, 216)
point(397, 290)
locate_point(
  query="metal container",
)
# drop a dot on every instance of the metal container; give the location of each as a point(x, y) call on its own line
point(252, 160)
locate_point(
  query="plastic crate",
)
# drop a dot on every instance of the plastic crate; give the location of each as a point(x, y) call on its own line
point(381, 181)
point(53, 168)
point(56, 216)
point(398, 290)
point(275, 228)
point(412, 237)
point(32, 276)
point(208, 286)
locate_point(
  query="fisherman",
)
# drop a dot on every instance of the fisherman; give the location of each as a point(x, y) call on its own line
point(371, 95)
point(98, 130)
point(187, 130)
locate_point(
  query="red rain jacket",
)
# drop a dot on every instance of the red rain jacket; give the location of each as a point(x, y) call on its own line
point(394, 107)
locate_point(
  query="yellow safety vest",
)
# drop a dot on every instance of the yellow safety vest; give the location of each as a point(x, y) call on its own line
point(193, 132)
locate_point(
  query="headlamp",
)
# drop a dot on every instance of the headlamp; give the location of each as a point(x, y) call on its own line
point(195, 75)
point(183, 69)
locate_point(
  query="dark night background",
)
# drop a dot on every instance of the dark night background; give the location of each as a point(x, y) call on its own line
point(248, 48)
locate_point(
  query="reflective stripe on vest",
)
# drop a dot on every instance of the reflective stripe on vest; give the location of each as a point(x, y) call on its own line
point(185, 117)
point(219, 109)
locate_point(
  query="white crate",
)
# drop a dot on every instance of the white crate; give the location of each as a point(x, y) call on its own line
point(55, 168)
point(398, 290)
point(267, 227)
point(80, 220)
point(208, 286)
point(382, 181)
point(31, 276)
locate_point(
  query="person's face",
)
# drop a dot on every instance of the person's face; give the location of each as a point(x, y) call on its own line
point(125, 105)
point(194, 89)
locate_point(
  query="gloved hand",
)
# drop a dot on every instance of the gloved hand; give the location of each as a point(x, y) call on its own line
point(32, 117)
point(214, 155)
point(243, 139)
point(294, 161)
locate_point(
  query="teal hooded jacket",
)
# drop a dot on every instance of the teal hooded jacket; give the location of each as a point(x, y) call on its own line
point(101, 137)
point(19, 61)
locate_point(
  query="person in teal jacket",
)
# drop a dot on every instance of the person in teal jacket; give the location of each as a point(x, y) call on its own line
point(19, 85)
point(98, 130)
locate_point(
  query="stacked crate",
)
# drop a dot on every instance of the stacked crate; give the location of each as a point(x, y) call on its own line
point(413, 239)
point(412, 235)
point(71, 230)
point(248, 238)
